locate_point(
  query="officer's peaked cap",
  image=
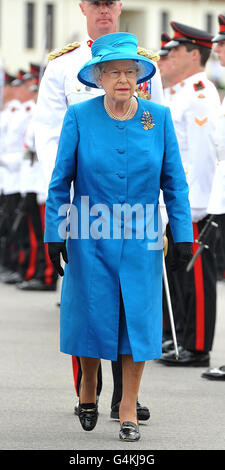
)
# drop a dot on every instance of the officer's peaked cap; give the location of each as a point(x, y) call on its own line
point(184, 34)
point(165, 38)
point(221, 35)
point(19, 80)
point(8, 78)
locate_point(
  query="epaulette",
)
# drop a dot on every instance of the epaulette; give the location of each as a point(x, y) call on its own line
point(58, 52)
point(151, 55)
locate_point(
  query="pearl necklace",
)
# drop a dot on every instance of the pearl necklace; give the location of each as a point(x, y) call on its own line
point(125, 116)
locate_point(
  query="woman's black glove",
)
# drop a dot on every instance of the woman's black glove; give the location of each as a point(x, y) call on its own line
point(54, 251)
point(182, 255)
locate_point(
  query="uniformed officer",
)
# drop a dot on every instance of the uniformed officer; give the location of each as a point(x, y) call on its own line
point(172, 82)
point(19, 114)
point(58, 89)
point(165, 64)
point(18, 258)
point(8, 118)
point(217, 199)
point(195, 106)
point(39, 273)
point(7, 97)
point(170, 77)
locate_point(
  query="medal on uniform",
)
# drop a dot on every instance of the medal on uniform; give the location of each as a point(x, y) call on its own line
point(144, 90)
point(147, 120)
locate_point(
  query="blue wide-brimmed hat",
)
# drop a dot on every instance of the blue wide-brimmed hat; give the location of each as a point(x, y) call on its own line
point(115, 46)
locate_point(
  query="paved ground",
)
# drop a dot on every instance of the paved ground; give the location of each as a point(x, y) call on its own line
point(37, 395)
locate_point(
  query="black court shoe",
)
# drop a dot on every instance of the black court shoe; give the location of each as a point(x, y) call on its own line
point(76, 407)
point(143, 413)
point(88, 415)
point(129, 432)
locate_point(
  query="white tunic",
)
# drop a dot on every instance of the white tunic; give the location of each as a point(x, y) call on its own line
point(60, 88)
point(16, 118)
point(217, 197)
point(31, 175)
point(195, 106)
point(5, 115)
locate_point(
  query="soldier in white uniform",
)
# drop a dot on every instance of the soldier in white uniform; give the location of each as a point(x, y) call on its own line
point(171, 79)
point(7, 97)
point(217, 199)
point(39, 273)
point(195, 106)
point(17, 117)
point(8, 102)
point(60, 88)
point(165, 64)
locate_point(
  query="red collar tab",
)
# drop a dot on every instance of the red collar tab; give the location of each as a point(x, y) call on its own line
point(199, 86)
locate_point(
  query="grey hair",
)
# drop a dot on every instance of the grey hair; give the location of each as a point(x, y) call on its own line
point(98, 69)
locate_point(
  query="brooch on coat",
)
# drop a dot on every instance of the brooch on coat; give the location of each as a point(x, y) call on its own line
point(147, 120)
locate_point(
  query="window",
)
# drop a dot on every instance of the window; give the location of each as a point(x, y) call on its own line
point(49, 26)
point(30, 15)
point(164, 23)
point(209, 23)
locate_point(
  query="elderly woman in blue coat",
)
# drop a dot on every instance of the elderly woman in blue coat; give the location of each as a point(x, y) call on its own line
point(116, 152)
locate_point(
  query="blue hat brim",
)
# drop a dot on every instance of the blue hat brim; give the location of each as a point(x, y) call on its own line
point(85, 74)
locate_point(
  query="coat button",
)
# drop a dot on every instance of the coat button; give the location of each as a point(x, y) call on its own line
point(120, 175)
point(120, 126)
point(120, 151)
point(122, 199)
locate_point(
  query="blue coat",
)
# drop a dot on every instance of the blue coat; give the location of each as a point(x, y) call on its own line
point(112, 163)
